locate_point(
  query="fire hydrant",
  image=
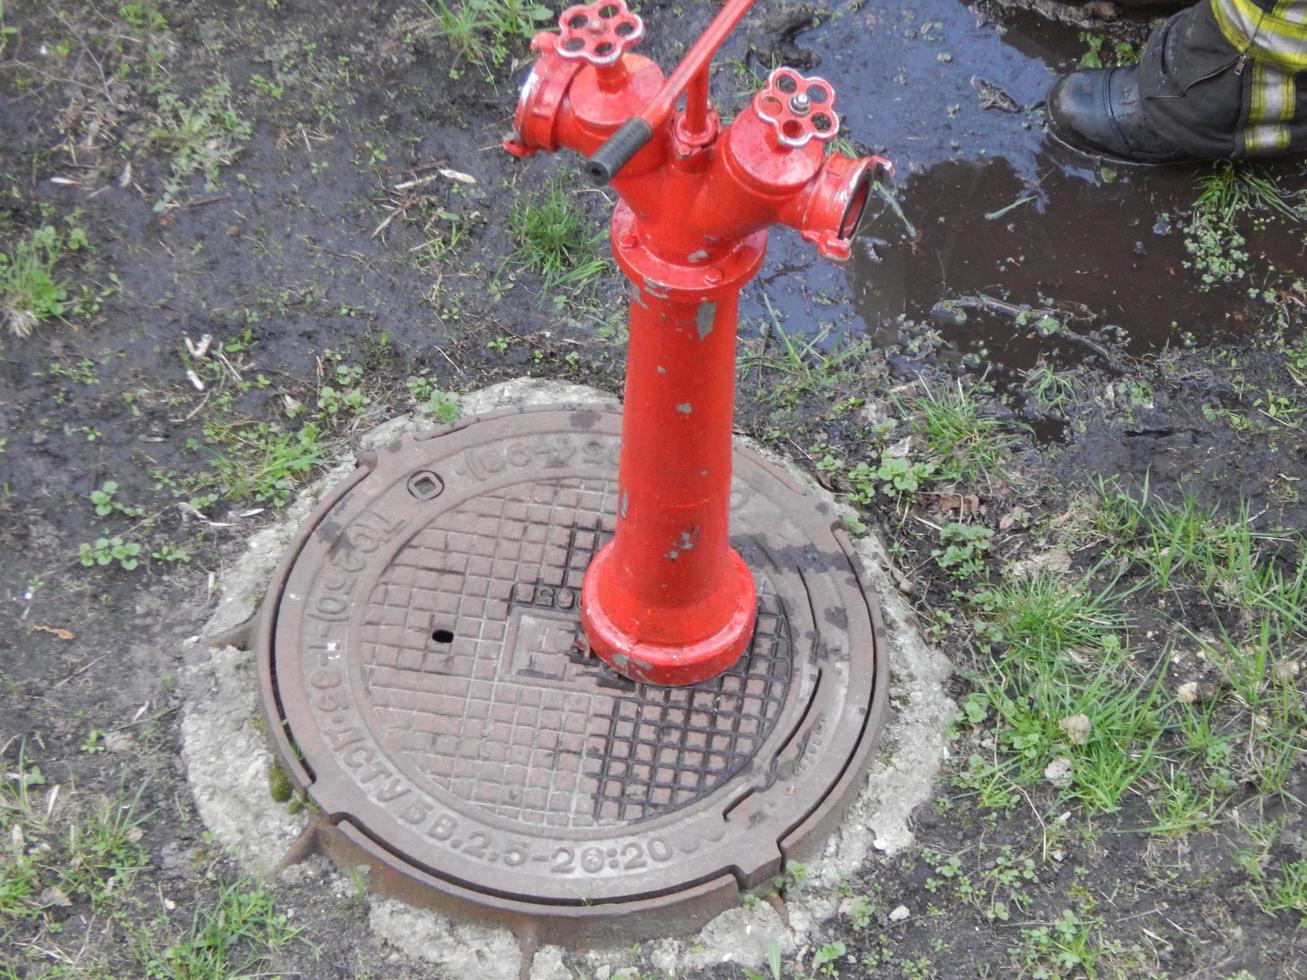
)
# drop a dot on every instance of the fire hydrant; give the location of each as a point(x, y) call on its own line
point(668, 600)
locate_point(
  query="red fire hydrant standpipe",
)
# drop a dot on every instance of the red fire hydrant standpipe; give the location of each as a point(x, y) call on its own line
point(668, 600)
point(419, 665)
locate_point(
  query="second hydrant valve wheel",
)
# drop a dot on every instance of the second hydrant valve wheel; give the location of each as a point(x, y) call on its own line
point(799, 109)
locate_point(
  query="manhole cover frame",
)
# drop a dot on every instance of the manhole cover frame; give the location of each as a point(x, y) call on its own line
point(584, 917)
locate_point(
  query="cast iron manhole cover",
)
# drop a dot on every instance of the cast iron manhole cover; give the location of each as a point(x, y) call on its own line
point(427, 682)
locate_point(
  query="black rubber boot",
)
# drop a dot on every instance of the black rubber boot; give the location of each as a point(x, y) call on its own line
point(1098, 111)
point(1192, 96)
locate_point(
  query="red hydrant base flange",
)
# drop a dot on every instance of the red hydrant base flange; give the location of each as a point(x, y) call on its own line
point(682, 662)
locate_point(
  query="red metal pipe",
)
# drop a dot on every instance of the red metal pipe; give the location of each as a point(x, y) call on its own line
point(696, 61)
point(696, 105)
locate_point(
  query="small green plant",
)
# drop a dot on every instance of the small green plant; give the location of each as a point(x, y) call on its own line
point(431, 400)
point(142, 15)
point(861, 912)
point(94, 741)
point(201, 136)
point(1295, 359)
point(81, 372)
point(106, 551)
point(271, 89)
point(170, 554)
point(792, 878)
point(263, 461)
point(964, 546)
point(897, 475)
point(484, 31)
point(1101, 55)
point(825, 958)
point(30, 291)
point(106, 504)
point(1218, 250)
point(345, 394)
point(553, 237)
point(1074, 944)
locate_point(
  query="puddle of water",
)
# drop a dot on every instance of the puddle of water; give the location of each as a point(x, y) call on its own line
point(1000, 213)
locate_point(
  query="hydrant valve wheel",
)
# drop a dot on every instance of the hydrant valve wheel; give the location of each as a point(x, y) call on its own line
point(800, 109)
point(598, 33)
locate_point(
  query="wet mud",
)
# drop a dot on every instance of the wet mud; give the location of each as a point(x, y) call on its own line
point(1007, 254)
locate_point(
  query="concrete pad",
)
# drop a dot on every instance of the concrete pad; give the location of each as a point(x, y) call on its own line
point(228, 760)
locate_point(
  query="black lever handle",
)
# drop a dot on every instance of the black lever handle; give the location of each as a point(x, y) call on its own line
point(615, 154)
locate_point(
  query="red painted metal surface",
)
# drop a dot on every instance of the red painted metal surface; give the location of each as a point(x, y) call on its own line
point(668, 601)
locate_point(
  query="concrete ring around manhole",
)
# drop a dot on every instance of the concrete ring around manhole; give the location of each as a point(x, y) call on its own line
point(428, 686)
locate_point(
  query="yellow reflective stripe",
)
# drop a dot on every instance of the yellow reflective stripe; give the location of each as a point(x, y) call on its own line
point(1294, 11)
point(1266, 36)
point(1271, 104)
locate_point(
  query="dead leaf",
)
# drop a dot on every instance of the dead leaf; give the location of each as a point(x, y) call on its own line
point(967, 505)
point(1075, 728)
point(1055, 562)
point(1008, 521)
point(459, 176)
point(1192, 691)
point(53, 895)
point(1286, 671)
point(58, 631)
point(900, 449)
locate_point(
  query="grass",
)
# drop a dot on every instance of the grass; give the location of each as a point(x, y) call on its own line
point(1075, 698)
point(1231, 189)
point(6, 30)
point(798, 367)
point(484, 32)
point(48, 861)
point(965, 446)
point(1073, 944)
point(553, 237)
point(234, 936)
point(1287, 892)
point(264, 461)
point(1067, 706)
point(62, 856)
point(200, 137)
point(30, 289)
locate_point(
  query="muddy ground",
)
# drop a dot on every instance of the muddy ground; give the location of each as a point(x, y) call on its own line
point(248, 284)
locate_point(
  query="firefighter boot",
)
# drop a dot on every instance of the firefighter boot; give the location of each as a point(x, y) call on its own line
point(1202, 91)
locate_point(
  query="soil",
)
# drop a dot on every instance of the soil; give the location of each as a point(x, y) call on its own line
point(295, 263)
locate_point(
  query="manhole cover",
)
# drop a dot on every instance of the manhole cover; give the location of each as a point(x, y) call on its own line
point(427, 682)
